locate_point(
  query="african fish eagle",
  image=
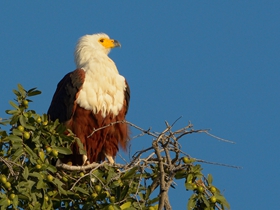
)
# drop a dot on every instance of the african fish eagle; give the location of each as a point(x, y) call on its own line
point(93, 96)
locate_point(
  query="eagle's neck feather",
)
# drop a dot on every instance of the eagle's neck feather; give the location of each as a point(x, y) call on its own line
point(103, 88)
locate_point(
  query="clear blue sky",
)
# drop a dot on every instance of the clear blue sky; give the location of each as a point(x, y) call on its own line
point(215, 63)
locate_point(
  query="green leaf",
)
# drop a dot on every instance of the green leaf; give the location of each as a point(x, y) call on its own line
point(30, 90)
point(115, 183)
point(154, 200)
point(14, 119)
point(25, 173)
point(13, 112)
point(56, 123)
point(13, 104)
point(190, 178)
point(14, 138)
point(60, 128)
point(130, 173)
point(34, 93)
point(23, 122)
point(15, 202)
point(36, 174)
point(16, 132)
point(59, 185)
point(81, 147)
point(82, 190)
point(126, 205)
point(197, 168)
point(97, 173)
point(124, 192)
point(189, 186)
point(40, 185)
point(30, 152)
point(63, 150)
point(36, 139)
point(42, 156)
point(17, 145)
point(21, 90)
point(205, 201)
point(148, 191)
point(111, 173)
point(180, 174)
point(51, 168)
point(4, 203)
point(192, 202)
point(221, 199)
point(45, 118)
point(17, 93)
point(54, 193)
point(4, 121)
point(210, 179)
point(18, 153)
point(142, 196)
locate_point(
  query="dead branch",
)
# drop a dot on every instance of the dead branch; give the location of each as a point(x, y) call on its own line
point(164, 152)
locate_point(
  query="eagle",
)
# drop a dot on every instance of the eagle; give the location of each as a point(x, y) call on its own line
point(91, 100)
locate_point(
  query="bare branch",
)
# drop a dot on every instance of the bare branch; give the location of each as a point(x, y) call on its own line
point(219, 164)
point(164, 153)
point(113, 123)
point(221, 139)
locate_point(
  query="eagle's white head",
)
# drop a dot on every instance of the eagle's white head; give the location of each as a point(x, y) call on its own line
point(93, 47)
point(103, 87)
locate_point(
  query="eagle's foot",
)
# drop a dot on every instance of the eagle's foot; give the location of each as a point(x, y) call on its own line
point(110, 159)
point(85, 160)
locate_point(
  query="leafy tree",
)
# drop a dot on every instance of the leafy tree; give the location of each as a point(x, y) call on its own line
point(31, 177)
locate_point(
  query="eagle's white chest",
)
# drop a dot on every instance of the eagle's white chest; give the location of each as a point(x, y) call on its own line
point(103, 90)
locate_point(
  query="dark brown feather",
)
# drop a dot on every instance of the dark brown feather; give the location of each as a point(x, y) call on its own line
point(62, 104)
point(103, 141)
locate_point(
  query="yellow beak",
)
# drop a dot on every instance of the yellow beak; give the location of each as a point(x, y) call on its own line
point(110, 43)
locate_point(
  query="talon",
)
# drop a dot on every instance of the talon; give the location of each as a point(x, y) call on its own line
point(85, 160)
point(58, 163)
point(110, 159)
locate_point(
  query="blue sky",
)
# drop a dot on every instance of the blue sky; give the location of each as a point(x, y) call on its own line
point(215, 63)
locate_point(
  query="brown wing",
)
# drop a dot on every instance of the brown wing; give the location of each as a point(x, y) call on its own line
point(63, 102)
point(127, 96)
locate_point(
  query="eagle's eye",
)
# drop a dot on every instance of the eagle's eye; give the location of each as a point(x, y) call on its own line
point(101, 40)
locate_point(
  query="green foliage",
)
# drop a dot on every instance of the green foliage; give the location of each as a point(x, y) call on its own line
point(29, 178)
